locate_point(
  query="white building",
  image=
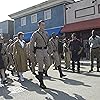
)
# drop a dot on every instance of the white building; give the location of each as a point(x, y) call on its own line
point(82, 17)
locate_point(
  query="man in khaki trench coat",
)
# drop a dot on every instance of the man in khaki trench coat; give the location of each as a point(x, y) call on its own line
point(19, 53)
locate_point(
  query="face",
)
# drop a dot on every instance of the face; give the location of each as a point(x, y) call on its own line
point(93, 33)
point(54, 35)
point(42, 25)
point(1, 40)
point(73, 37)
point(21, 37)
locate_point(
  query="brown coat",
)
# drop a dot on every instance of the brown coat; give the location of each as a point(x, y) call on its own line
point(20, 57)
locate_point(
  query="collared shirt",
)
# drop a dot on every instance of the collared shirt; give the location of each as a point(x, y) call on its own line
point(22, 43)
point(94, 43)
point(75, 45)
point(53, 45)
point(40, 38)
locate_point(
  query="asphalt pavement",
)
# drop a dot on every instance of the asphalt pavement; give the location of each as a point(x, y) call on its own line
point(74, 86)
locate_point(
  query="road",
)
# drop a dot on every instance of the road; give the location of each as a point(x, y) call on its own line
point(83, 86)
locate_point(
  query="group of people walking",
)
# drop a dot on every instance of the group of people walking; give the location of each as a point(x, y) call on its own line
point(44, 51)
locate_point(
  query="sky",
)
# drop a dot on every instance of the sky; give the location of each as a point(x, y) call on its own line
point(8, 7)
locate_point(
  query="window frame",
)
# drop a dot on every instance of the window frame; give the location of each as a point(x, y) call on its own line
point(23, 23)
point(46, 15)
point(34, 15)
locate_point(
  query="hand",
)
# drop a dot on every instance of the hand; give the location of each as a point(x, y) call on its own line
point(79, 52)
point(52, 56)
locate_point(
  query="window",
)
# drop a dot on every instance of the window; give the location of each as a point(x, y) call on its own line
point(23, 21)
point(34, 18)
point(0, 31)
point(99, 8)
point(47, 14)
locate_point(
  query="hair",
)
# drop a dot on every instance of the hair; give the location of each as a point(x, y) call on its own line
point(40, 22)
point(53, 33)
point(15, 38)
point(93, 31)
point(19, 34)
point(74, 34)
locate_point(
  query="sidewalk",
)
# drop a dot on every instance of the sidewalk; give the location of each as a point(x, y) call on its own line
point(84, 62)
point(74, 86)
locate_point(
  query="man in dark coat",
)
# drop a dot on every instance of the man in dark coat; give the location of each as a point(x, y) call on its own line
point(76, 48)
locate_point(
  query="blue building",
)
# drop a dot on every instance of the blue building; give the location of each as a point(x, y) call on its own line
point(53, 12)
point(7, 28)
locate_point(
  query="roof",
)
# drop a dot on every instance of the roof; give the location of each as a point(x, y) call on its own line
point(83, 25)
point(39, 7)
point(6, 21)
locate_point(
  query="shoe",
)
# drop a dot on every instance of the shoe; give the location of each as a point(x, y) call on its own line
point(98, 70)
point(73, 70)
point(91, 70)
point(45, 72)
point(12, 73)
point(21, 79)
point(38, 77)
point(55, 68)
point(6, 75)
point(66, 67)
point(43, 86)
point(4, 82)
point(78, 71)
point(62, 75)
point(34, 73)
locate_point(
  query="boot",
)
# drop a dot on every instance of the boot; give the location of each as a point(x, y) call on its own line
point(45, 72)
point(55, 68)
point(78, 66)
point(40, 78)
point(60, 71)
point(78, 70)
point(98, 69)
point(91, 70)
point(73, 66)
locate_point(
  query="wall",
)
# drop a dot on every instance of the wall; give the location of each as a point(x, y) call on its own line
point(57, 19)
point(83, 10)
point(4, 26)
point(11, 28)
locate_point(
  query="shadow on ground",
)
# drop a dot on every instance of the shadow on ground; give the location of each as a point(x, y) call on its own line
point(53, 94)
point(5, 92)
point(30, 86)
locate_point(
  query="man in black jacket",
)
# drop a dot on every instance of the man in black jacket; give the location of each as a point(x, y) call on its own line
point(76, 48)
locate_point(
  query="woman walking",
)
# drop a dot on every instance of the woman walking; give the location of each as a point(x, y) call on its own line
point(2, 67)
point(20, 57)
